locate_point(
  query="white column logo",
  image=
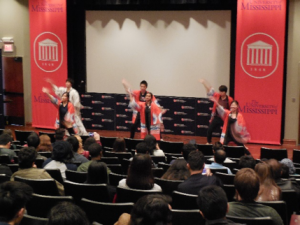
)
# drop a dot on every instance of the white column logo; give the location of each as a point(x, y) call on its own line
point(48, 50)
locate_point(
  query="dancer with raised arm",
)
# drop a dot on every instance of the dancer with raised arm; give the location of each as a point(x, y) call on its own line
point(74, 99)
point(66, 113)
point(223, 99)
point(150, 115)
point(139, 96)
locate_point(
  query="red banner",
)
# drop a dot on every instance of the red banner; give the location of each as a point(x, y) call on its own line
point(259, 67)
point(48, 43)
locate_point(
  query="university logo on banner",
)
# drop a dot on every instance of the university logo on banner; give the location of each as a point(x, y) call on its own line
point(259, 55)
point(48, 51)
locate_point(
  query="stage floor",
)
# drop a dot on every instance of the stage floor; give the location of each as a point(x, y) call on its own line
point(253, 148)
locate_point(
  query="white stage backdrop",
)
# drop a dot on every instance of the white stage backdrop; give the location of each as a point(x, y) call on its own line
point(171, 50)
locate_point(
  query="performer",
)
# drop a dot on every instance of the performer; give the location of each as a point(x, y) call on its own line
point(66, 113)
point(150, 115)
point(234, 128)
point(74, 99)
point(139, 96)
point(223, 99)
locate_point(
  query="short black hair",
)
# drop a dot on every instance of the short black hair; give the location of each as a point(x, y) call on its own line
point(247, 161)
point(97, 173)
point(62, 151)
point(196, 160)
point(212, 202)
point(95, 150)
point(67, 213)
point(142, 148)
point(4, 139)
point(74, 142)
point(88, 142)
point(187, 148)
point(27, 157)
point(59, 134)
point(144, 82)
point(70, 80)
point(14, 196)
point(217, 145)
point(33, 140)
point(220, 156)
point(150, 141)
point(223, 88)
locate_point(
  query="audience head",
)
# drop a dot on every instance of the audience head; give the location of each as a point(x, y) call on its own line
point(285, 171)
point(60, 134)
point(247, 161)
point(142, 148)
point(217, 146)
point(27, 157)
point(62, 151)
point(177, 171)
point(88, 142)
point(220, 156)
point(246, 183)
point(74, 142)
point(289, 163)
point(275, 167)
point(140, 173)
point(95, 151)
point(151, 210)
point(33, 140)
point(79, 141)
point(150, 141)
point(119, 145)
point(195, 161)
point(187, 148)
point(5, 140)
point(14, 196)
point(97, 173)
point(212, 202)
point(9, 132)
point(67, 213)
point(263, 170)
point(45, 144)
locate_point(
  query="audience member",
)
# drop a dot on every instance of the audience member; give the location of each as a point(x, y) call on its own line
point(177, 171)
point(96, 154)
point(213, 206)
point(247, 161)
point(10, 133)
point(217, 146)
point(91, 140)
point(285, 171)
point(61, 158)
point(80, 150)
point(187, 148)
point(246, 183)
point(219, 158)
point(13, 199)
point(289, 163)
point(67, 213)
point(151, 209)
point(5, 142)
point(75, 146)
point(140, 174)
point(152, 145)
point(59, 134)
point(268, 190)
point(119, 145)
point(33, 140)
point(27, 168)
point(45, 144)
point(195, 164)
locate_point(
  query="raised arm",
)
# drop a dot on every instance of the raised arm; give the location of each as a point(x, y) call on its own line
point(222, 112)
point(126, 86)
point(205, 84)
point(52, 99)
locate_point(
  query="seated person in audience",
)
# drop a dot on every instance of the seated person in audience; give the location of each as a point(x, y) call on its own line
point(140, 174)
point(60, 134)
point(119, 145)
point(75, 146)
point(219, 156)
point(153, 147)
point(285, 171)
point(213, 206)
point(187, 148)
point(27, 168)
point(149, 209)
point(5, 143)
point(289, 163)
point(217, 146)
point(67, 213)
point(13, 199)
point(195, 164)
point(92, 140)
point(80, 150)
point(268, 190)
point(247, 161)
point(33, 140)
point(61, 159)
point(246, 184)
point(177, 171)
point(96, 154)
point(45, 144)
point(10, 133)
